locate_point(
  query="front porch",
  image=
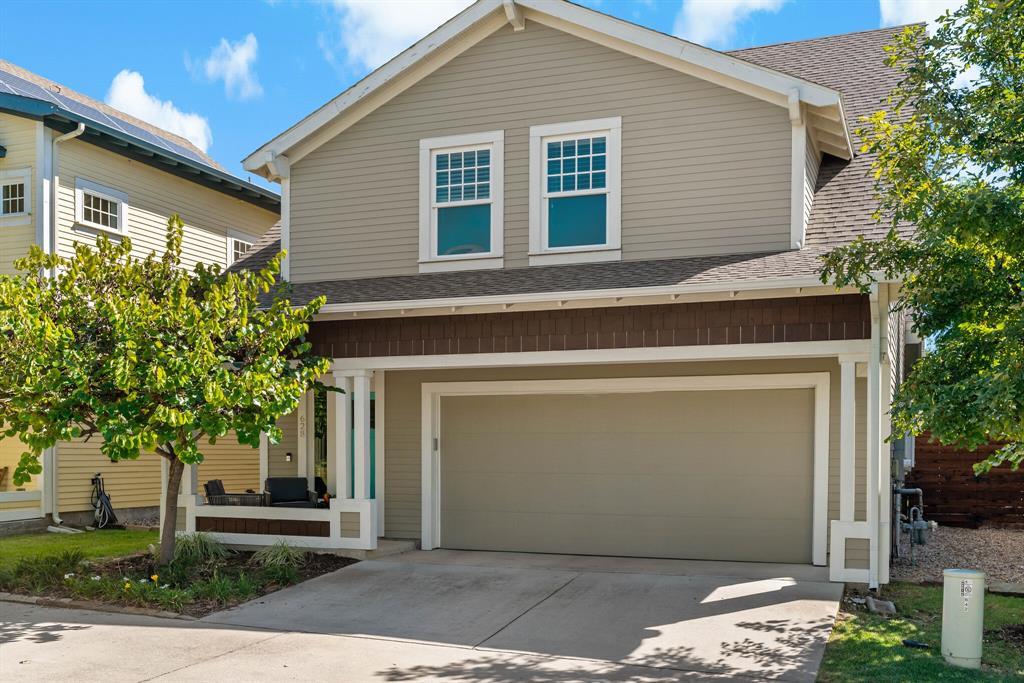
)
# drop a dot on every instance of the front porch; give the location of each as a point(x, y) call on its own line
point(331, 439)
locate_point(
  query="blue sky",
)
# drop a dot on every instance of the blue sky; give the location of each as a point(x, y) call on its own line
point(231, 75)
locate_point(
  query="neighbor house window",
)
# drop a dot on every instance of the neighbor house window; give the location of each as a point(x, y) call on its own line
point(15, 189)
point(100, 207)
point(461, 202)
point(574, 191)
point(238, 249)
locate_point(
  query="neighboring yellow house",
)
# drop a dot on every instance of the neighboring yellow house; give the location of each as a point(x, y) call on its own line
point(72, 168)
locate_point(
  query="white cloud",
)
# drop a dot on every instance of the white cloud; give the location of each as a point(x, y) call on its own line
point(897, 12)
point(232, 63)
point(128, 93)
point(370, 32)
point(713, 22)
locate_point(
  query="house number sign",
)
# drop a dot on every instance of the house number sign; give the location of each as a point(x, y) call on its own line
point(966, 589)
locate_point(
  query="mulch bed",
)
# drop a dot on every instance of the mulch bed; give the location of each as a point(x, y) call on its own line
point(997, 552)
point(142, 565)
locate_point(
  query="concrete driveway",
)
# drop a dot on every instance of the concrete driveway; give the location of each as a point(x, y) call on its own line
point(460, 616)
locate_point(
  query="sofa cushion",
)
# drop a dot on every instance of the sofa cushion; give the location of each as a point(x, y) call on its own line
point(284, 489)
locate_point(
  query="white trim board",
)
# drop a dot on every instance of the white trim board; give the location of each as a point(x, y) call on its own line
point(660, 354)
point(431, 447)
point(751, 289)
point(484, 17)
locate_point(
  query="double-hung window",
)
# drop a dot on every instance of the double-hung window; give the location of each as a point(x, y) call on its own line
point(15, 195)
point(237, 248)
point(100, 208)
point(461, 208)
point(575, 191)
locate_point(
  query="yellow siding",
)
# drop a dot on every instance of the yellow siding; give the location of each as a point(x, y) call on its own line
point(152, 197)
point(237, 465)
point(129, 483)
point(10, 453)
point(19, 136)
point(136, 483)
point(9, 505)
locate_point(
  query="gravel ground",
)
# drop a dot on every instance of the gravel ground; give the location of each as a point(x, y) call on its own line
point(997, 552)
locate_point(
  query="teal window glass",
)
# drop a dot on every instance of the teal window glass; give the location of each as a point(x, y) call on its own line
point(578, 221)
point(463, 229)
point(570, 164)
point(462, 176)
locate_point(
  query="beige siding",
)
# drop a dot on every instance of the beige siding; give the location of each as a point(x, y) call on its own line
point(152, 197)
point(279, 467)
point(237, 465)
point(402, 421)
point(811, 165)
point(19, 136)
point(704, 169)
point(11, 505)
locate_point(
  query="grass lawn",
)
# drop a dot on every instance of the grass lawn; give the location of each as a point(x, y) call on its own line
point(867, 647)
point(92, 544)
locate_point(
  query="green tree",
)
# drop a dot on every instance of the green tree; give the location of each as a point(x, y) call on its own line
point(148, 356)
point(951, 183)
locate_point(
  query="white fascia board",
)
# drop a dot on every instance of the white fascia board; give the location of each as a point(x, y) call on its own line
point(559, 297)
point(702, 62)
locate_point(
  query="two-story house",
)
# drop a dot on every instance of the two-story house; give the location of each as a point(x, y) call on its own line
point(573, 297)
point(72, 168)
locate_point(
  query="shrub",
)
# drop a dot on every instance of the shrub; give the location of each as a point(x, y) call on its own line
point(198, 548)
point(279, 555)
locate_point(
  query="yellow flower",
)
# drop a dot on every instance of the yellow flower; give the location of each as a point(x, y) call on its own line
point(154, 577)
point(127, 585)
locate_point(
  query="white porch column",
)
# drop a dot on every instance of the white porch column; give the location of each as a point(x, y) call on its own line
point(361, 389)
point(339, 429)
point(847, 436)
point(190, 481)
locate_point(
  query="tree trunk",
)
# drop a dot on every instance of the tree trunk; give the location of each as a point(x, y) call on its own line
point(174, 471)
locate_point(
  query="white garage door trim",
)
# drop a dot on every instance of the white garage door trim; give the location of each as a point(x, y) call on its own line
point(431, 434)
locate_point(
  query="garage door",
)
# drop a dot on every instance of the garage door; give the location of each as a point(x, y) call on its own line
point(724, 475)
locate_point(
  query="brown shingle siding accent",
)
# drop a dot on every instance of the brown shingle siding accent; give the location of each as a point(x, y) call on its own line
point(759, 321)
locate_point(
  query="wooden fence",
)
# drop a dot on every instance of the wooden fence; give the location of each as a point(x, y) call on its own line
point(954, 496)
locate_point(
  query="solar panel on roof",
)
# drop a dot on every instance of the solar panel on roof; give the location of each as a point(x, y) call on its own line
point(16, 85)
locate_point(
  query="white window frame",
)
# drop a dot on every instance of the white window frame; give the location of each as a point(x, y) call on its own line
point(12, 176)
point(611, 250)
point(121, 198)
point(236, 236)
point(430, 261)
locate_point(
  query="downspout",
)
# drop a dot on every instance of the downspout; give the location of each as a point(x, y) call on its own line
point(51, 479)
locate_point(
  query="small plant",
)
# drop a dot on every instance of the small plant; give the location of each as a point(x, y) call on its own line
point(199, 548)
point(279, 555)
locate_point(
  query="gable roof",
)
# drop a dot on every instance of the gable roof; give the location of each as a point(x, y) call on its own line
point(482, 18)
point(25, 93)
point(843, 208)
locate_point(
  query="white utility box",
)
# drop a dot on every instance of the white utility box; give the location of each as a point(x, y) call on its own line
point(963, 616)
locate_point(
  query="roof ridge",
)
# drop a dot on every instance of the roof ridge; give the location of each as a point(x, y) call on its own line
point(61, 89)
point(895, 30)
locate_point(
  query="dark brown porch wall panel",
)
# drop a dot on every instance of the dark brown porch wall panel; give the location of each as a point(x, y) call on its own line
point(273, 527)
point(791, 319)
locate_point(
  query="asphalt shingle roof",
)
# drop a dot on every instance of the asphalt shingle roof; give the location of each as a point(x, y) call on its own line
point(843, 208)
